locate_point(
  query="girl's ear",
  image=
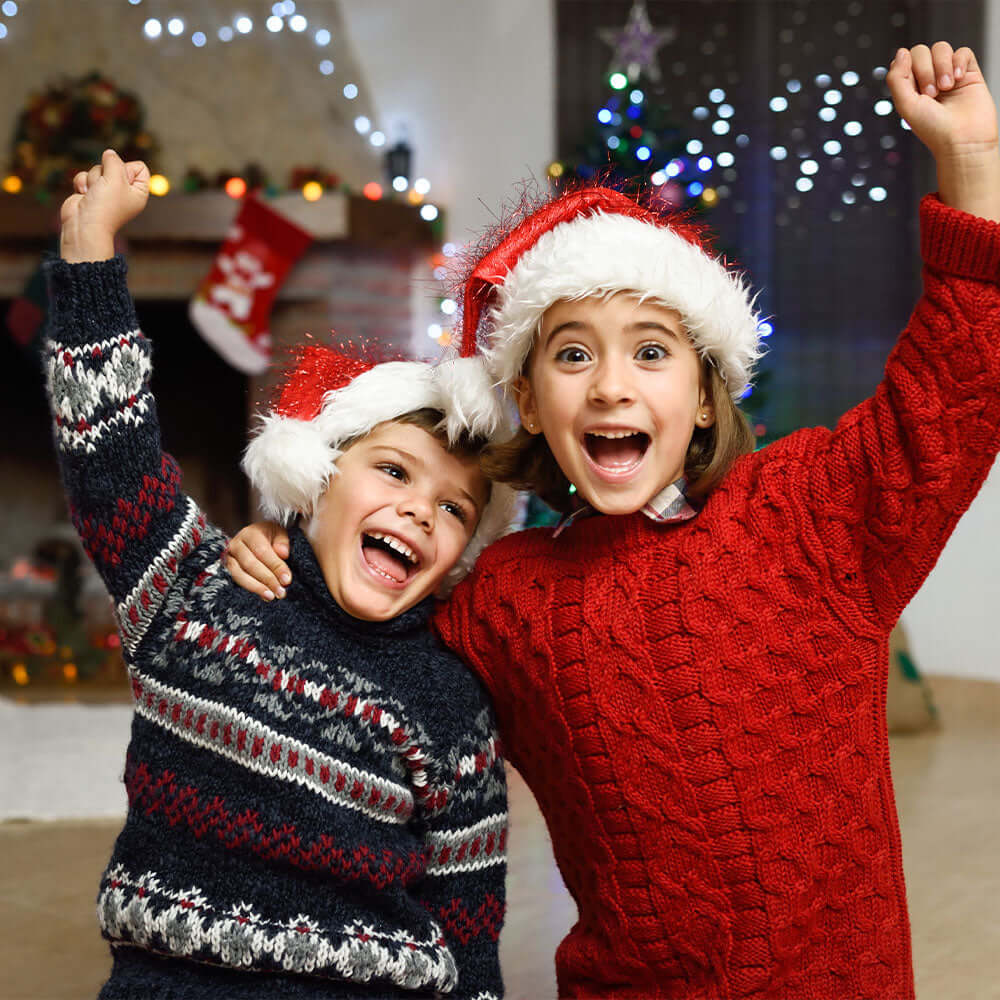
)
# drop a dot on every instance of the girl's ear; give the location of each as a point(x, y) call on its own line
point(526, 405)
point(705, 416)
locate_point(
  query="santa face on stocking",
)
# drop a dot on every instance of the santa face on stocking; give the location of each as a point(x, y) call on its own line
point(244, 275)
point(232, 307)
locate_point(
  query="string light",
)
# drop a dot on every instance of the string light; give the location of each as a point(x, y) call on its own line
point(428, 213)
point(152, 28)
point(312, 191)
point(243, 24)
point(175, 26)
point(618, 81)
point(158, 185)
point(12, 184)
point(236, 187)
point(400, 183)
point(414, 197)
point(372, 191)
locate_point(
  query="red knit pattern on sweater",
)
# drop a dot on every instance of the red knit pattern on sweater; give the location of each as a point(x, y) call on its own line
point(699, 708)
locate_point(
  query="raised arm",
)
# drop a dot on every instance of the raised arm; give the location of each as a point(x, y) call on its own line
point(887, 487)
point(124, 493)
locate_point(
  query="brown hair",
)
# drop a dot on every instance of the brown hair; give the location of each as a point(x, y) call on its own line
point(527, 463)
point(428, 419)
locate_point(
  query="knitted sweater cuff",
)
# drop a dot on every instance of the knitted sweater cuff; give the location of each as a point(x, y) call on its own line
point(957, 243)
point(91, 301)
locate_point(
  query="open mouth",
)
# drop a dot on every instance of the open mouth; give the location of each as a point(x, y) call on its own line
point(616, 452)
point(389, 557)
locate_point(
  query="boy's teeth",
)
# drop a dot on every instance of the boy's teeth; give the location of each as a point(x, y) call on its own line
point(395, 543)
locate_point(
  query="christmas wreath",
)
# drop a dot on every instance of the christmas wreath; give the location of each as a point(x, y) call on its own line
point(67, 126)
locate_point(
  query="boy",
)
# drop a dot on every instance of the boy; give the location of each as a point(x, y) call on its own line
point(317, 806)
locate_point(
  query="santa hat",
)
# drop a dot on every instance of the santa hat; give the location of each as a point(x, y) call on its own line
point(596, 241)
point(329, 400)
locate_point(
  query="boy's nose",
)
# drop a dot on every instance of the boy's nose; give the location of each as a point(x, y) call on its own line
point(418, 509)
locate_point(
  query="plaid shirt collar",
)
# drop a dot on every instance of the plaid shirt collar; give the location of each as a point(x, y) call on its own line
point(668, 506)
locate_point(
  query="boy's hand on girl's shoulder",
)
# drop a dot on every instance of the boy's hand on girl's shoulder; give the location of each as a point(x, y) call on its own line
point(104, 198)
point(942, 95)
point(254, 559)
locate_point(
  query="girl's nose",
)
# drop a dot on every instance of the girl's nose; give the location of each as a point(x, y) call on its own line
point(611, 384)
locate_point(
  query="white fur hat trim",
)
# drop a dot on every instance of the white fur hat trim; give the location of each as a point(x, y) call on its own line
point(605, 253)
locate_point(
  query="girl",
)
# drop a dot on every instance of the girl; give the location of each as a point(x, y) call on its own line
point(693, 687)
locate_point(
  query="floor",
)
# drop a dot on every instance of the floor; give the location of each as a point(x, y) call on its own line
point(946, 785)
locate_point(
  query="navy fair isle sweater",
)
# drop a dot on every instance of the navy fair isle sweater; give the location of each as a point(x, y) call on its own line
point(317, 805)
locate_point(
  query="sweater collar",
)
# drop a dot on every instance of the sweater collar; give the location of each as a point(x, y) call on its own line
point(668, 506)
point(307, 573)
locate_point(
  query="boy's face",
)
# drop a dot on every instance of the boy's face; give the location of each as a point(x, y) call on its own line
point(394, 519)
point(615, 386)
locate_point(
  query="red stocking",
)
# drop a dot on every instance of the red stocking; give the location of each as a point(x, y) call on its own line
point(232, 307)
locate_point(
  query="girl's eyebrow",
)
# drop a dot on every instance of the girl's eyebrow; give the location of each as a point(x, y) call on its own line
point(638, 326)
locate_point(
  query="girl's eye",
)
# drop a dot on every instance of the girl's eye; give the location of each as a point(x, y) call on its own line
point(652, 352)
point(456, 510)
point(391, 469)
point(573, 355)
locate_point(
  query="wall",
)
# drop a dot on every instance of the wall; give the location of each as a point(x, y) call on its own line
point(258, 98)
point(472, 84)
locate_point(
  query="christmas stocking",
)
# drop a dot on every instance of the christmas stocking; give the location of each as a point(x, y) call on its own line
point(232, 307)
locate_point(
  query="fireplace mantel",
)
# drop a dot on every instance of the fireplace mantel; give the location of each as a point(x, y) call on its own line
point(171, 246)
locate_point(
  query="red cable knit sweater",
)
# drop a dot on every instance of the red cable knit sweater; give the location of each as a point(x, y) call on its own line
point(699, 708)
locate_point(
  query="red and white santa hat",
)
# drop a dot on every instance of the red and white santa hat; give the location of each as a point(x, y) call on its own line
point(329, 400)
point(596, 241)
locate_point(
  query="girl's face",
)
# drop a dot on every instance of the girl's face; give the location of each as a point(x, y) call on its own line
point(615, 386)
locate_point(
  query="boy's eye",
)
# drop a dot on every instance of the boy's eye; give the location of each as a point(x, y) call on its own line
point(394, 470)
point(573, 355)
point(456, 510)
point(652, 352)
